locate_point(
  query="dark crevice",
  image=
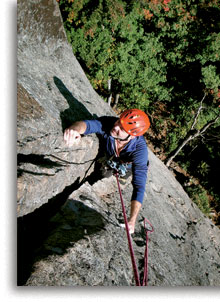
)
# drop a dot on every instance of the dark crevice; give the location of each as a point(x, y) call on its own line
point(37, 159)
point(35, 228)
point(44, 162)
point(21, 171)
point(177, 237)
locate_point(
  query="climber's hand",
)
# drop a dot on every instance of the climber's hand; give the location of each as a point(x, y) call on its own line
point(71, 137)
point(131, 226)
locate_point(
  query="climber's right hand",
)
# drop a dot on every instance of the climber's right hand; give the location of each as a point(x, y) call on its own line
point(71, 137)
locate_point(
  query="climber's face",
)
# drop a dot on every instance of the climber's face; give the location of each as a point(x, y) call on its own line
point(118, 132)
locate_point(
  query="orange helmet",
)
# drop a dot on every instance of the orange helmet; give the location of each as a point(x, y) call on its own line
point(134, 121)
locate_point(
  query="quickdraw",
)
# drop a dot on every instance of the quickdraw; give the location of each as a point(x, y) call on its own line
point(119, 168)
point(135, 269)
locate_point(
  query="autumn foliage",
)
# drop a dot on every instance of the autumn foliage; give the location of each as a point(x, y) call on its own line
point(161, 55)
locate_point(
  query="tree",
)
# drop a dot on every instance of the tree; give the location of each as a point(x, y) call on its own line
point(162, 56)
point(193, 133)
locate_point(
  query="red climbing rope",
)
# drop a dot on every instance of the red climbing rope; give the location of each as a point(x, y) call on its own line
point(146, 251)
point(135, 269)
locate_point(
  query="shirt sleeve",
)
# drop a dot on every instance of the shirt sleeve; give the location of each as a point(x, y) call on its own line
point(101, 125)
point(93, 126)
point(140, 169)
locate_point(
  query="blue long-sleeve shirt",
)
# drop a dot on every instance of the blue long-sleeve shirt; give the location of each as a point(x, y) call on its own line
point(135, 152)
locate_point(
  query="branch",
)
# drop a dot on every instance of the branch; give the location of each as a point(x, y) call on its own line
point(198, 112)
point(109, 100)
point(116, 100)
point(110, 89)
point(209, 124)
point(170, 159)
point(190, 137)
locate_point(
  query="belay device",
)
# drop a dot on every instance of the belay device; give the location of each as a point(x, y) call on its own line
point(119, 168)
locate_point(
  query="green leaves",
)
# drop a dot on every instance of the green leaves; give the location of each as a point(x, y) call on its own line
point(211, 49)
point(200, 197)
point(162, 57)
point(158, 50)
point(111, 41)
point(211, 79)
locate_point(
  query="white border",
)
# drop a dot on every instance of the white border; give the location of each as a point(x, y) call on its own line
point(9, 289)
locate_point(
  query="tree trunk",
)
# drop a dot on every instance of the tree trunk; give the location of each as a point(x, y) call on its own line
point(178, 149)
point(109, 89)
point(116, 100)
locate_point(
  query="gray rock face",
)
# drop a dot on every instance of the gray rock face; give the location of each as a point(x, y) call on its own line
point(88, 245)
point(53, 92)
point(69, 230)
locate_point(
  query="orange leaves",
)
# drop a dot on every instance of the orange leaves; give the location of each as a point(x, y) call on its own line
point(188, 17)
point(166, 2)
point(215, 95)
point(156, 5)
point(218, 97)
point(117, 11)
point(166, 8)
point(89, 33)
point(97, 83)
point(147, 14)
point(70, 16)
point(155, 2)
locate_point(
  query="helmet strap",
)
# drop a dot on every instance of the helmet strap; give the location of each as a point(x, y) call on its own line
point(123, 139)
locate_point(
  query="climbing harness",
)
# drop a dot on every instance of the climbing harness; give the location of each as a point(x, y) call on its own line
point(120, 168)
point(135, 269)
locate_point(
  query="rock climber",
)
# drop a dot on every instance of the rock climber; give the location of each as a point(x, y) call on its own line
point(123, 144)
